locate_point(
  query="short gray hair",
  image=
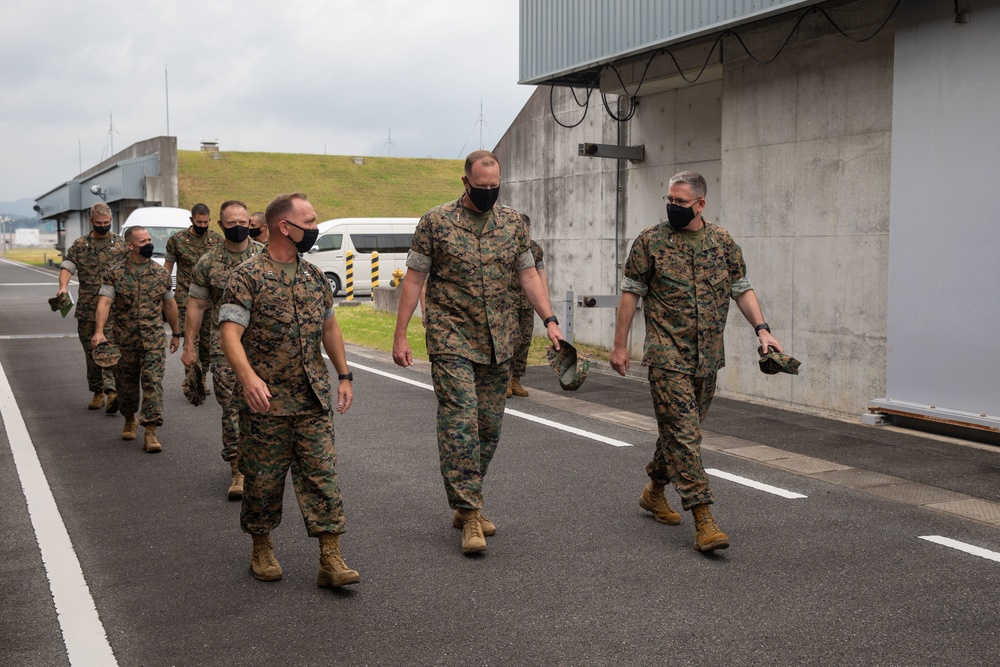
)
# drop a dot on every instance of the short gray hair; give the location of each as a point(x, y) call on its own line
point(693, 179)
point(99, 208)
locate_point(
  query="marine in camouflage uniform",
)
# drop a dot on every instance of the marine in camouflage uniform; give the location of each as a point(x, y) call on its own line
point(685, 270)
point(276, 319)
point(525, 323)
point(208, 283)
point(88, 257)
point(184, 249)
point(135, 295)
point(467, 250)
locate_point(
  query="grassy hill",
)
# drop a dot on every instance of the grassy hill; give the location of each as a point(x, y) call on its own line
point(337, 187)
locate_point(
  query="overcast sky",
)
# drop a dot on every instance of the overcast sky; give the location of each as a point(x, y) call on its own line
point(291, 76)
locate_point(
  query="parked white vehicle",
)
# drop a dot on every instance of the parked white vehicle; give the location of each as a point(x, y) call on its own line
point(161, 222)
point(391, 237)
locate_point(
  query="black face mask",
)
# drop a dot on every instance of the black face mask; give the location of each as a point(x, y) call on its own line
point(200, 231)
point(146, 250)
point(679, 217)
point(256, 231)
point(483, 198)
point(101, 230)
point(236, 234)
point(309, 237)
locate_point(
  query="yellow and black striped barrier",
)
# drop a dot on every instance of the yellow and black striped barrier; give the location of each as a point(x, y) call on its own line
point(374, 272)
point(349, 288)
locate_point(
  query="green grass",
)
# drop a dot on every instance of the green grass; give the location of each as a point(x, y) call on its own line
point(34, 256)
point(361, 325)
point(337, 187)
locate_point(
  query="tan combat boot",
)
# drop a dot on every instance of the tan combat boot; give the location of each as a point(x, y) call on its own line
point(236, 485)
point(473, 540)
point(489, 530)
point(707, 535)
point(263, 564)
point(516, 388)
point(150, 443)
point(128, 433)
point(97, 402)
point(653, 500)
point(112, 406)
point(333, 571)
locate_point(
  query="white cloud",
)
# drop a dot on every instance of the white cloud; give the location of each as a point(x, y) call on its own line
point(293, 76)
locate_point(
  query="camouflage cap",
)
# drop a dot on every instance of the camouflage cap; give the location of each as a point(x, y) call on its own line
point(106, 354)
point(776, 362)
point(568, 367)
point(62, 302)
point(194, 385)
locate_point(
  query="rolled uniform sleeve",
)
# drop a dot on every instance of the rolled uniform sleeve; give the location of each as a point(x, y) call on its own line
point(524, 261)
point(107, 290)
point(198, 292)
point(236, 301)
point(171, 253)
point(740, 286)
point(69, 265)
point(168, 295)
point(418, 262)
point(638, 269)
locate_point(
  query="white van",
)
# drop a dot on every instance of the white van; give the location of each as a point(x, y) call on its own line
point(391, 237)
point(161, 222)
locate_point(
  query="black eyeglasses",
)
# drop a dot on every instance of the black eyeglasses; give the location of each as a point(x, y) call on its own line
point(680, 202)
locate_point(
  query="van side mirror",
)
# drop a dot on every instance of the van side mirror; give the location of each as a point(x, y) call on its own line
point(315, 248)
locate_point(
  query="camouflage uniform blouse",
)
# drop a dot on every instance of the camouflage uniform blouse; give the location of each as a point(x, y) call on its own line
point(471, 311)
point(89, 258)
point(211, 273)
point(685, 295)
point(184, 249)
point(137, 293)
point(283, 339)
point(515, 286)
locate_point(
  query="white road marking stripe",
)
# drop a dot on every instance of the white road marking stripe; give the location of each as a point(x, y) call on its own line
point(54, 276)
point(32, 336)
point(84, 635)
point(515, 413)
point(54, 282)
point(760, 486)
point(962, 546)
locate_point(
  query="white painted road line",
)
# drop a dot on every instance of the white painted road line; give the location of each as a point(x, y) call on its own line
point(84, 635)
point(760, 486)
point(962, 546)
point(514, 413)
point(54, 276)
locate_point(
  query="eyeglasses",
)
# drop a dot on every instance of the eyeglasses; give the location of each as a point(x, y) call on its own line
point(680, 202)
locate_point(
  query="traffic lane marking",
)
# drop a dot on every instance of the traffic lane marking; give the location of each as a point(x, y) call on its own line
point(962, 546)
point(760, 486)
point(83, 633)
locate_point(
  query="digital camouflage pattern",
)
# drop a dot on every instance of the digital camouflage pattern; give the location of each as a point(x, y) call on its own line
point(685, 295)
point(137, 293)
point(184, 249)
point(681, 403)
point(269, 446)
point(98, 379)
point(89, 258)
point(471, 311)
point(208, 281)
point(471, 399)
point(515, 286)
point(283, 338)
point(141, 369)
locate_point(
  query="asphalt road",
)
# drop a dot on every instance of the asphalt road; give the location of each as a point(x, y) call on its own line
point(577, 574)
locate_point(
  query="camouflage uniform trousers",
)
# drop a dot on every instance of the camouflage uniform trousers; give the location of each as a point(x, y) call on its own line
point(471, 399)
point(223, 384)
point(145, 368)
point(526, 326)
point(269, 446)
point(98, 379)
point(681, 403)
point(204, 346)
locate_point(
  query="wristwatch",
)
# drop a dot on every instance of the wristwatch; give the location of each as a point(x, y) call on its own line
point(177, 335)
point(550, 319)
point(346, 376)
point(757, 328)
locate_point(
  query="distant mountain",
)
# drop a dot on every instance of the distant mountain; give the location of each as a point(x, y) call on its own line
point(22, 208)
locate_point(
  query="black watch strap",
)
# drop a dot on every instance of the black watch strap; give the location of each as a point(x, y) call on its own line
point(346, 376)
point(550, 318)
point(764, 325)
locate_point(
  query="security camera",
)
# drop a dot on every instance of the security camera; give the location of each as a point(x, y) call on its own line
point(96, 190)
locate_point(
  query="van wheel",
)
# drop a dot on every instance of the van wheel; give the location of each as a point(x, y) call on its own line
point(334, 282)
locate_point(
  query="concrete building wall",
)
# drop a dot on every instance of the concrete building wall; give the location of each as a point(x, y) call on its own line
point(797, 158)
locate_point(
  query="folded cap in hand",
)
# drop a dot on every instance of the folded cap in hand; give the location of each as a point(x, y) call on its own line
point(568, 367)
point(774, 362)
point(106, 354)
